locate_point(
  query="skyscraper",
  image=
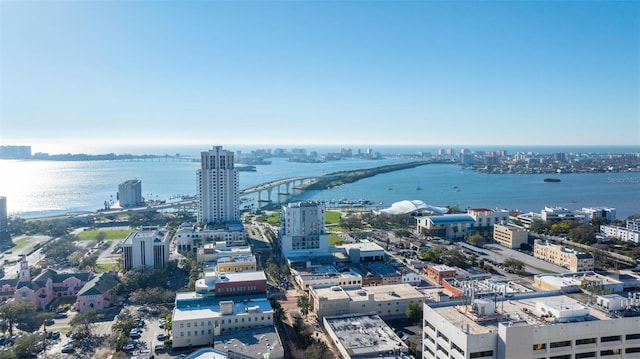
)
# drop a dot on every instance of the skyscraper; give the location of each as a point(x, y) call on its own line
point(217, 187)
point(4, 222)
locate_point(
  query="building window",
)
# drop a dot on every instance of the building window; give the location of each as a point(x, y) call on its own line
point(632, 336)
point(488, 353)
point(566, 343)
point(586, 355)
point(566, 356)
point(585, 341)
point(610, 352)
point(613, 338)
point(540, 346)
point(632, 350)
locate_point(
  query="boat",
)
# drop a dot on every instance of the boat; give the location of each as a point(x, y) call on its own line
point(418, 188)
point(549, 179)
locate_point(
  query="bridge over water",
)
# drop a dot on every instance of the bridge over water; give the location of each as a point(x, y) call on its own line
point(283, 186)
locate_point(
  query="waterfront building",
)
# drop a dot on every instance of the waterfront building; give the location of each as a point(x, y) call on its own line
point(302, 229)
point(562, 256)
point(450, 226)
point(510, 236)
point(364, 336)
point(199, 320)
point(486, 218)
point(574, 282)
point(544, 325)
point(629, 233)
point(147, 247)
point(605, 214)
point(15, 152)
point(561, 214)
point(527, 219)
point(5, 237)
point(130, 193)
point(218, 187)
point(389, 301)
point(633, 224)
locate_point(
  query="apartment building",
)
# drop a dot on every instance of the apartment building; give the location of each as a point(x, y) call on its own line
point(4, 221)
point(629, 233)
point(130, 193)
point(564, 257)
point(218, 187)
point(510, 236)
point(302, 229)
point(531, 327)
point(147, 247)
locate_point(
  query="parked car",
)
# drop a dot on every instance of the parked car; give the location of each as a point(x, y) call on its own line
point(161, 336)
point(67, 349)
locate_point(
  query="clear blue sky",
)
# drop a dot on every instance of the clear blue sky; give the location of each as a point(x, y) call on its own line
point(327, 72)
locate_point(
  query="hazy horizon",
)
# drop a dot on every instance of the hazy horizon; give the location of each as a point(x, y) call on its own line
point(372, 73)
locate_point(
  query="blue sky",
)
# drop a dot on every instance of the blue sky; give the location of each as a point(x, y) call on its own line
point(93, 74)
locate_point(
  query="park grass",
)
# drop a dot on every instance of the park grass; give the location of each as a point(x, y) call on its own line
point(335, 240)
point(91, 234)
point(106, 267)
point(332, 217)
point(21, 243)
point(274, 219)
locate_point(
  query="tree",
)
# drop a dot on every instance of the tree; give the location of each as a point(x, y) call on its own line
point(89, 262)
point(475, 239)
point(414, 312)
point(83, 321)
point(304, 304)
point(514, 264)
point(14, 312)
point(314, 351)
point(24, 346)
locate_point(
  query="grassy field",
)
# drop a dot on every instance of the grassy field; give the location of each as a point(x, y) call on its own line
point(331, 217)
point(109, 234)
point(335, 240)
point(21, 242)
point(105, 267)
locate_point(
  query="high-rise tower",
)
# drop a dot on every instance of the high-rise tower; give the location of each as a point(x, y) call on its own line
point(217, 187)
point(4, 221)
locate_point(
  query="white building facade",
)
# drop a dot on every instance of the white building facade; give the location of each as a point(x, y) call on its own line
point(130, 193)
point(218, 187)
point(148, 247)
point(302, 229)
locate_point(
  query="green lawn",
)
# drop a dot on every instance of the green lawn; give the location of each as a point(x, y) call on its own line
point(335, 239)
point(109, 234)
point(331, 217)
point(105, 267)
point(20, 243)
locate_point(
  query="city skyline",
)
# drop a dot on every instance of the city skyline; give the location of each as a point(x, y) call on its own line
point(114, 74)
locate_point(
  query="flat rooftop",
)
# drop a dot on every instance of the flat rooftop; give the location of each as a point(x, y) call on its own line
point(362, 335)
point(516, 310)
point(363, 246)
point(254, 343)
point(357, 293)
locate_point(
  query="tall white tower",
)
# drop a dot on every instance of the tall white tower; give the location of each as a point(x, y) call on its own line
point(4, 221)
point(302, 229)
point(217, 187)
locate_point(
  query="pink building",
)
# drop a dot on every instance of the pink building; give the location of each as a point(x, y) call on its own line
point(47, 286)
point(97, 294)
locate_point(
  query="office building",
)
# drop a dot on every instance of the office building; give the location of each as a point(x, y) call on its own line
point(218, 187)
point(564, 257)
point(130, 193)
point(302, 229)
point(510, 236)
point(528, 327)
point(147, 247)
point(602, 214)
point(561, 214)
point(388, 301)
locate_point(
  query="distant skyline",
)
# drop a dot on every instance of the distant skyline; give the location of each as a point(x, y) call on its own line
point(107, 74)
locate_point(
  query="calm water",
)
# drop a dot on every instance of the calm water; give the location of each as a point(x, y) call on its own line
point(36, 188)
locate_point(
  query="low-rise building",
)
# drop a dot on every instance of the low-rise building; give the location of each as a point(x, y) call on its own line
point(439, 272)
point(628, 233)
point(190, 237)
point(451, 226)
point(198, 320)
point(231, 284)
point(363, 251)
point(564, 257)
point(575, 282)
point(364, 336)
point(98, 293)
point(606, 214)
point(325, 275)
point(561, 214)
point(211, 251)
point(389, 301)
point(510, 236)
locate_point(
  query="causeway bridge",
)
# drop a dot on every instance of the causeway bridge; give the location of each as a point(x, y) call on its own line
point(283, 186)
